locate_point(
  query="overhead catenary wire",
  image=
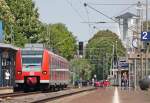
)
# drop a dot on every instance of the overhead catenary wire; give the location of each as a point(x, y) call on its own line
point(85, 4)
point(116, 4)
point(77, 12)
point(88, 19)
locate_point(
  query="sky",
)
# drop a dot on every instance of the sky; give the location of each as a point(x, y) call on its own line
point(74, 14)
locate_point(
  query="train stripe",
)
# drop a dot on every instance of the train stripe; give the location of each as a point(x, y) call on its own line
point(19, 81)
point(44, 81)
point(59, 69)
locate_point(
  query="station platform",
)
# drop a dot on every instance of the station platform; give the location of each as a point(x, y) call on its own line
point(4, 90)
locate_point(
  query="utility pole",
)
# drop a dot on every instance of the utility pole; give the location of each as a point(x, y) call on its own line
point(146, 15)
point(147, 46)
point(113, 62)
point(140, 44)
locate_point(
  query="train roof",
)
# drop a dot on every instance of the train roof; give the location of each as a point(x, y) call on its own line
point(40, 47)
point(58, 56)
point(33, 49)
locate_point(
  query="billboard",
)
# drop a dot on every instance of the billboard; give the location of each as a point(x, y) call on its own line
point(1, 31)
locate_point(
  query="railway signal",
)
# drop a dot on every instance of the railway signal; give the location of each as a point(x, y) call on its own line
point(81, 48)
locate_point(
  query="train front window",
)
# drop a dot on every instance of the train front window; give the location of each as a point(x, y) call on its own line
point(31, 64)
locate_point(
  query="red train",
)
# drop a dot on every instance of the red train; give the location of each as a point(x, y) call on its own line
point(40, 69)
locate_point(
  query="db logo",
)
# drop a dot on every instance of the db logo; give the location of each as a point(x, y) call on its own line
point(31, 73)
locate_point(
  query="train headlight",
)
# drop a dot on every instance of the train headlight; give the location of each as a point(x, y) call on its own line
point(44, 72)
point(19, 72)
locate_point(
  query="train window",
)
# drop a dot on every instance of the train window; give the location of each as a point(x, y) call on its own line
point(31, 64)
point(55, 64)
point(51, 63)
point(51, 75)
point(62, 65)
point(59, 64)
point(32, 52)
point(62, 75)
point(58, 75)
point(29, 60)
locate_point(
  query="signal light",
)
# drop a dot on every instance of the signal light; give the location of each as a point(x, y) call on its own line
point(80, 48)
point(19, 72)
point(44, 72)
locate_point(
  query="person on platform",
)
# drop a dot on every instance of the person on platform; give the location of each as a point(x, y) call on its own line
point(125, 79)
point(7, 77)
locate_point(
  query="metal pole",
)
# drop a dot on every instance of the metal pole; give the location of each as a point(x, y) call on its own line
point(135, 79)
point(147, 49)
point(113, 62)
point(146, 60)
point(139, 23)
point(129, 74)
point(146, 15)
point(117, 79)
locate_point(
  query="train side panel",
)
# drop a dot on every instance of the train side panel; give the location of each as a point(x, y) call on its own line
point(59, 71)
point(45, 77)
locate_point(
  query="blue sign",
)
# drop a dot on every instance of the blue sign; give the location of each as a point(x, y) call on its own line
point(145, 36)
point(124, 65)
point(1, 31)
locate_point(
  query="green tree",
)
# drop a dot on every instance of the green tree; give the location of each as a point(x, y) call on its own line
point(27, 25)
point(99, 51)
point(81, 68)
point(6, 16)
point(59, 38)
point(145, 24)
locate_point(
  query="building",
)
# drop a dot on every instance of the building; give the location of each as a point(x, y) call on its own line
point(7, 62)
point(127, 25)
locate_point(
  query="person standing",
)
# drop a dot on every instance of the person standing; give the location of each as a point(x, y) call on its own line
point(7, 77)
point(125, 79)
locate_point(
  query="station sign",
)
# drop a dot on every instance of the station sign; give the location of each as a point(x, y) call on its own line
point(123, 63)
point(145, 36)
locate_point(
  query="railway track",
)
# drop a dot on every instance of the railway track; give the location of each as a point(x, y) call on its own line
point(39, 97)
point(17, 94)
point(62, 95)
